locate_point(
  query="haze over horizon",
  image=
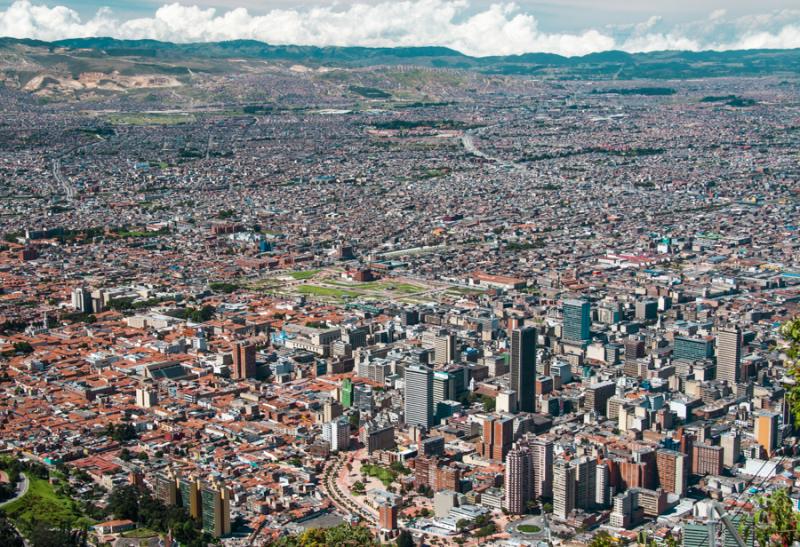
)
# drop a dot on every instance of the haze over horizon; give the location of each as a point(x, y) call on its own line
point(473, 27)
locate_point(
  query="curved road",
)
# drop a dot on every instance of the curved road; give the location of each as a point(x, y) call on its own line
point(22, 489)
point(330, 487)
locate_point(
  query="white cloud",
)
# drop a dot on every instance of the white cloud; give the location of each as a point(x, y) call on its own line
point(499, 29)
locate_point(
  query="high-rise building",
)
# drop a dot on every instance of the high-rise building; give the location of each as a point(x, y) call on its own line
point(577, 320)
point(244, 361)
point(418, 396)
point(646, 310)
point(216, 510)
point(766, 431)
point(387, 516)
point(444, 349)
point(624, 513)
point(693, 349)
point(542, 450)
point(729, 355)
point(523, 367)
point(518, 479)
point(585, 479)
point(564, 476)
point(337, 433)
point(82, 300)
point(347, 393)
point(441, 387)
point(165, 489)
point(189, 496)
point(602, 490)
point(331, 410)
point(706, 459)
point(497, 437)
point(731, 443)
point(597, 396)
point(673, 470)
point(634, 349)
point(146, 397)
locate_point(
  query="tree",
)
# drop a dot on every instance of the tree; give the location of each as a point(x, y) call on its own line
point(9, 537)
point(42, 535)
point(23, 347)
point(774, 522)
point(547, 507)
point(404, 539)
point(602, 539)
point(344, 535)
point(124, 502)
point(791, 333)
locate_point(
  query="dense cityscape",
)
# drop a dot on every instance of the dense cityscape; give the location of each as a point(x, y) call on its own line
point(396, 304)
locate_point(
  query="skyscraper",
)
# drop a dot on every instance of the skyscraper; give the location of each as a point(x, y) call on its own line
point(216, 510)
point(577, 320)
point(444, 349)
point(523, 367)
point(585, 480)
point(337, 433)
point(418, 396)
point(82, 300)
point(498, 433)
point(347, 393)
point(563, 489)
point(244, 361)
point(731, 444)
point(518, 479)
point(766, 431)
point(542, 450)
point(387, 515)
point(673, 469)
point(729, 355)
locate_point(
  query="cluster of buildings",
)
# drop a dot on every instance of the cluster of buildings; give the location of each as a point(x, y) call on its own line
point(563, 309)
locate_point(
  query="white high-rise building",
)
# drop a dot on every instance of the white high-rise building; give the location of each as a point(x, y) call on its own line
point(564, 477)
point(542, 450)
point(418, 395)
point(729, 355)
point(337, 433)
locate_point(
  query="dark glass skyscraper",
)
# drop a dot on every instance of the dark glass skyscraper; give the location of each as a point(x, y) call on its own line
point(523, 367)
point(577, 320)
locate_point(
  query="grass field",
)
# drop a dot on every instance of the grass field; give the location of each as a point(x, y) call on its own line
point(316, 290)
point(528, 528)
point(404, 288)
point(43, 504)
point(135, 118)
point(140, 533)
point(302, 276)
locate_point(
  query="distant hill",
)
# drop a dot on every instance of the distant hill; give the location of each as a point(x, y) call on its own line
point(616, 64)
point(149, 70)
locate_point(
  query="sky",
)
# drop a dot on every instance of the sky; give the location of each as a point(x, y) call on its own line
point(474, 27)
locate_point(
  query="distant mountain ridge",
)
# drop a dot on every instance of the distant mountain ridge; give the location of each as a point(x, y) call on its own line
point(616, 65)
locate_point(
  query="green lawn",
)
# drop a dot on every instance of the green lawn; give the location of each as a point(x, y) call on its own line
point(302, 276)
point(140, 533)
point(528, 528)
point(405, 288)
point(43, 504)
point(386, 476)
point(137, 118)
point(326, 291)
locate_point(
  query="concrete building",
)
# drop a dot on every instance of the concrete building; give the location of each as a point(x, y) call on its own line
point(523, 367)
point(418, 396)
point(564, 477)
point(729, 355)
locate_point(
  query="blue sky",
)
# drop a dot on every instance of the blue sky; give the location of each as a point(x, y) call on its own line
point(477, 27)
